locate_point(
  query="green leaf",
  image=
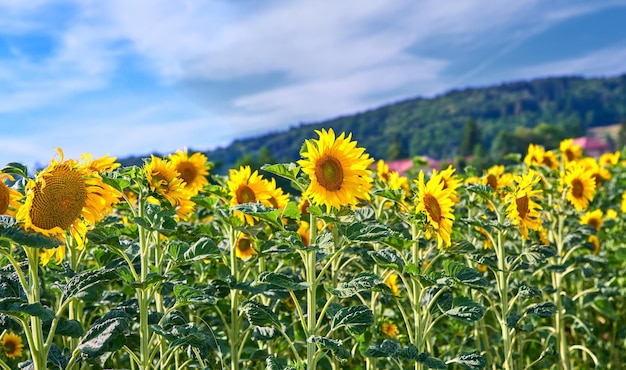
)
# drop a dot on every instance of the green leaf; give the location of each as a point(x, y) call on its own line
point(539, 254)
point(388, 258)
point(56, 359)
point(262, 212)
point(188, 335)
point(18, 307)
point(472, 361)
point(263, 333)
point(364, 281)
point(69, 328)
point(106, 335)
point(355, 319)
point(89, 283)
point(286, 170)
point(11, 231)
point(292, 211)
point(387, 348)
point(191, 295)
point(461, 246)
point(202, 249)
point(464, 275)
point(513, 319)
point(272, 363)
point(527, 291)
point(335, 347)
point(366, 232)
point(260, 315)
point(482, 190)
point(15, 168)
point(281, 280)
point(464, 309)
point(545, 309)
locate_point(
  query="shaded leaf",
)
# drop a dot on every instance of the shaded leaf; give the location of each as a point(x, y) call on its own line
point(188, 294)
point(472, 361)
point(388, 258)
point(364, 281)
point(106, 335)
point(89, 282)
point(260, 315)
point(465, 309)
point(281, 280)
point(18, 307)
point(202, 249)
point(335, 347)
point(356, 319)
point(545, 309)
point(272, 363)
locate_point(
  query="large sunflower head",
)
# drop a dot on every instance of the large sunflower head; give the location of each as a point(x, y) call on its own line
point(193, 169)
point(593, 219)
point(522, 206)
point(12, 345)
point(9, 198)
point(278, 199)
point(67, 195)
point(338, 170)
point(166, 181)
point(246, 186)
point(580, 185)
point(436, 202)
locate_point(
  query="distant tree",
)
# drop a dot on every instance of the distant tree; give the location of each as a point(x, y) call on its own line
point(471, 138)
point(621, 135)
point(396, 149)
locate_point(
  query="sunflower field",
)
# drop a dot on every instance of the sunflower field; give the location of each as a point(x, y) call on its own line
point(351, 266)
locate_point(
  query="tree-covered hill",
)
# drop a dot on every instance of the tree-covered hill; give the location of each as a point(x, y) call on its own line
point(506, 116)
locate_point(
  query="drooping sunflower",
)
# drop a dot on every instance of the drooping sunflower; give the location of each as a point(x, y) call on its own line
point(570, 151)
point(338, 170)
point(450, 181)
point(193, 169)
point(593, 219)
point(389, 329)
point(392, 283)
point(595, 241)
point(66, 196)
point(580, 185)
point(437, 203)
point(522, 206)
point(609, 159)
point(247, 187)
point(12, 345)
point(245, 247)
point(9, 198)
point(165, 181)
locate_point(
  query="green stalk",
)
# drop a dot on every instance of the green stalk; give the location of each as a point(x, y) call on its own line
point(234, 305)
point(311, 278)
point(142, 294)
point(559, 318)
point(36, 342)
point(417, 288)
point(503, 290)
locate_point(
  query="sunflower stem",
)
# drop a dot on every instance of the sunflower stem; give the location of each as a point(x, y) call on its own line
point(142, 293)
point(234, 304)
point(503, 291)
point(416, 294)
point(36, 342)
point(559, 318)
point(311, 278)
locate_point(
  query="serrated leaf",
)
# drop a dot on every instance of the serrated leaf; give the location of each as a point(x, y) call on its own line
point(191, 295)
point(512, 320)
point(260, 315)
point(388, 258)
point(188, 335)
point(364, 281)
point(271, 363)
point(483, 190)
point(16, 306)
point(286, 170)
point(461, 246)
point(263, 333)
point(292, 211)
point(539, 254)
point(56, 359)
point(355, 319)
point(282, 281)
point(387, 348)
point(15, 168)
point(366, 232)
point(9, 230)
point(472, 361)
point(89, 282)
point(335, 347)
point(434, 363)
point(545, 309)
point(527, 291)
point(260, 211)
point(202, 249)
point(464, 309)
point(107, 334)
point(69, 328)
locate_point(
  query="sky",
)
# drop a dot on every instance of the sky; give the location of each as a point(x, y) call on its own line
point(133, 77)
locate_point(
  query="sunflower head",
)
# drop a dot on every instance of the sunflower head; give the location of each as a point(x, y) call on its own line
point(389, 329)
point(278, 199)
point(534, 155)
point(338, 170)
point(450, 181)
point(67, 195)
point(593, 219)
point(437, 203)
point(245, 247)
point(165, 181)
point(595, 241)
point(392, 283)
point(12, 345)
point(570, 151)
point(522, 206)
point(580, 185)
point(9, 198)
point(609, 159)
point(193, 169)
point(247, 187)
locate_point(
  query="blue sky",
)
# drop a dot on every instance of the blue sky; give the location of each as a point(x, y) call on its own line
point(131, 77)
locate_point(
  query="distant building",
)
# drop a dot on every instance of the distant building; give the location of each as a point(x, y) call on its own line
point(402, 166)
point(592, 147)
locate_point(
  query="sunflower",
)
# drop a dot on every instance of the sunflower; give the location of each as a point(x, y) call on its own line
point(67, 195)
point(580, 185)
point(247, 187)
point(450, 181)
point(193, 169)
point(437, 203)
point(338, 170)
point(165, 180)
point(392, 283)
point(305, 233)
point(534, 155)
point(623, 204)
point(595, 241)
point(600, 173)
point(487, 241)
point(278, 199)
point(244, 248)
point(522, 208)
point(389, 329)
point(303, 207)
point(593, 219)
point(391, 178)
point(611, 214)
point(497, 178)
point(9, 198)
point(609, 159)
point(12, 345)
point(570, 151)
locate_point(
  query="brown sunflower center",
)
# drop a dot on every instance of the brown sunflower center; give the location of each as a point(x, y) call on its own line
point(188, 171)
point(569, 154)
point(492, 181)
point(244, 245)
point(9, 347)
point(594, 222)
point(432, 207)
point(385, 176)
point(61, 201)
point(245, 194)
point(548, 162)
point(273, 202)
point(522, 206)
point(329, 173)
point(5, 198)
point(577, 188)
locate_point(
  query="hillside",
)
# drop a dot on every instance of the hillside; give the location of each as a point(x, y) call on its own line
point(435, 126)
